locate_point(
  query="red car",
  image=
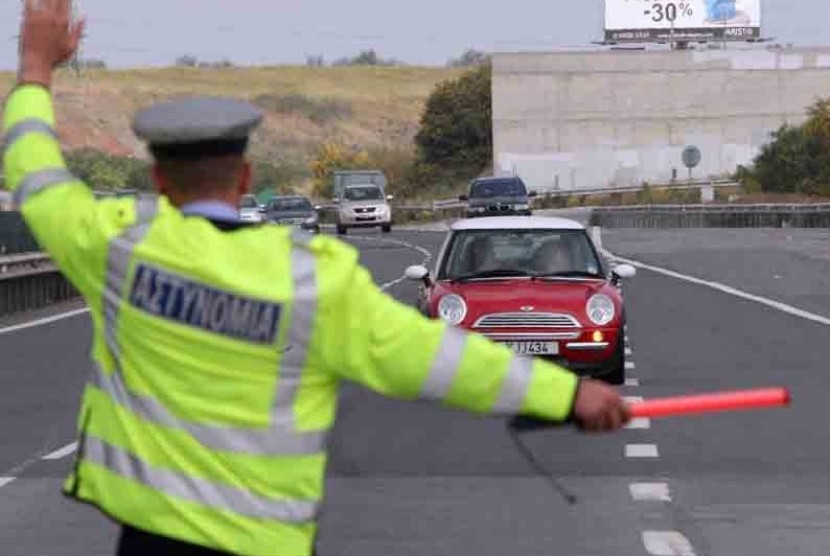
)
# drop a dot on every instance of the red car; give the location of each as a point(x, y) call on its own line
point(536, 284)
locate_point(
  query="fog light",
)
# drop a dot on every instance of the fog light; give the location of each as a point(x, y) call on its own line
point(598, 337)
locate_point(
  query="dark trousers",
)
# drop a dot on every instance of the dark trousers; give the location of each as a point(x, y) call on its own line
point(138, 543)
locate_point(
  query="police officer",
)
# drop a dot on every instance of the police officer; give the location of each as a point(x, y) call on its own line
point(219, 346)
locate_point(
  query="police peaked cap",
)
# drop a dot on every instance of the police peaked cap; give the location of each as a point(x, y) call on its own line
point(197, 127)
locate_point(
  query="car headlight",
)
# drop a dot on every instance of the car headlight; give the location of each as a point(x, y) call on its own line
point(477, 209)
point(452, 309)
point(600, 309)
point(522, 207)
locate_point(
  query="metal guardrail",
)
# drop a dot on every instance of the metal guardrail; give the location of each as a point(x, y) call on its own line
point(31, 281)
point(714, 216)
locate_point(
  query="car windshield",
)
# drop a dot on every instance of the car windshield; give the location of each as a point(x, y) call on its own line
point(248, 202)
point(497, 188)
point(287, 205)
point(505, 253)
point(363, 193)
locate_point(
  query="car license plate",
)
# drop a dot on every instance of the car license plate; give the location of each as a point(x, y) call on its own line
point(534, 348)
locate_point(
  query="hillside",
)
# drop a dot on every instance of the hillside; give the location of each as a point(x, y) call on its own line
point(365, 106)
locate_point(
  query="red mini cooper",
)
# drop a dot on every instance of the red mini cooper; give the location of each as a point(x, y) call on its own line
point(535, 284)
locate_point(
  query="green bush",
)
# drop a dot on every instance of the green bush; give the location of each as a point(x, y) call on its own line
point(797, 160)
point(456, 126)
point(101, 170)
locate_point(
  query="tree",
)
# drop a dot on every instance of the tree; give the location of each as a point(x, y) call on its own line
point(336, 156)
point(797, 160)
point(187, 61)
point(471, 57)
point(367, 58)
point(456, 126)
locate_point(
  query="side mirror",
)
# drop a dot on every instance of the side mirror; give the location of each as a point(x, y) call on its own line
point(463, 198)
point(623, 271)
point(532, 194)
point(318, 207)
point(262, 209)
point(390, 197)
point(417, 273)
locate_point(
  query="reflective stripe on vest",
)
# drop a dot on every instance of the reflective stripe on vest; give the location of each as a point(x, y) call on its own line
point(201, 491)
point(446, 364)
point(516, 385)
point(281, 438)
point(36, 182)
point(25, 127)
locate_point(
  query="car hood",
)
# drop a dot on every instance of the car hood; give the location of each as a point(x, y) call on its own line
point(511, 200)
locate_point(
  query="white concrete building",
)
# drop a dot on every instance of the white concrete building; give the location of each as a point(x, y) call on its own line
point(582, 120)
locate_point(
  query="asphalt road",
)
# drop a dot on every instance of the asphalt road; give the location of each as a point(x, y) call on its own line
point(413, 479)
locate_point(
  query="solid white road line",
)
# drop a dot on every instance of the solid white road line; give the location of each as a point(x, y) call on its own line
point(5, 480)
point(641, 451)
point(41, 322)
point(632, 382)
point(667, 543)
point(647, 492)
point(639, 424)
point(783, 307)
point(63, 452)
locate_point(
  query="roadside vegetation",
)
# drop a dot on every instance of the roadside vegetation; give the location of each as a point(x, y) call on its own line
point(796, 163)
point(428, 129)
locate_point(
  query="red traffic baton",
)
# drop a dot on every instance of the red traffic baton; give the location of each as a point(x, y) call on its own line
point(711, 403)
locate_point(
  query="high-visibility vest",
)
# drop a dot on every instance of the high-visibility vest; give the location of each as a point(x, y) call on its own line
point(218, 355)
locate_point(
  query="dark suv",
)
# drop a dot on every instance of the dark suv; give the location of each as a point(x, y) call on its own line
point(498, 197)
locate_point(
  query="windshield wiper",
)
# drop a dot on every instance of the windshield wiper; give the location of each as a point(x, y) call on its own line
point(500, 273)
point(567, 274)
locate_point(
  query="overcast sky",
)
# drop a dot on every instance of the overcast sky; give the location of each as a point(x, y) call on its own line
point(155, 32)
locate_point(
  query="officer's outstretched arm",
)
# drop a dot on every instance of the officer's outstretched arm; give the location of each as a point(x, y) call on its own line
point(61, 211)
point(394, 350)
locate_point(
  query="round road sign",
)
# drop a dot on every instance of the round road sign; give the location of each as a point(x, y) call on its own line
point(691, 156)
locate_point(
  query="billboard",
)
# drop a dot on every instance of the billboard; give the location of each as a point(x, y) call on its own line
point(684, 20)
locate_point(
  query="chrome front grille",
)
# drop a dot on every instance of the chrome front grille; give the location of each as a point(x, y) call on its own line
point(527, 320)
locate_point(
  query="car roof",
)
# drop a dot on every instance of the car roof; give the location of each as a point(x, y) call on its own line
point(484, 179)
point(516, 223)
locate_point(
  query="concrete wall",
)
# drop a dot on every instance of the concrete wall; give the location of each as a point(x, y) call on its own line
point(592, 119)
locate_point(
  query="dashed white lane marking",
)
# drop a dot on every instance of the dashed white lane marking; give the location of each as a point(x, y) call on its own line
point(62, 452)
point(633, 399)
point(783, 307)
point(41, 322)
point(6, 480)
point(630, 366)
point(647, 492)
point(641, 451)
point(639, 424)
point(667, 543)
point(628, 351)
point(632, 382)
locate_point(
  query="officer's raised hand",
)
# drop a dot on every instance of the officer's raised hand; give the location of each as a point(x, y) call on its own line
point(600, 408)
point(48, 37)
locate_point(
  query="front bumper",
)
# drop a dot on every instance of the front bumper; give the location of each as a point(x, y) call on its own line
point(585, 351)
point(364, 220)
point(310, 227)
